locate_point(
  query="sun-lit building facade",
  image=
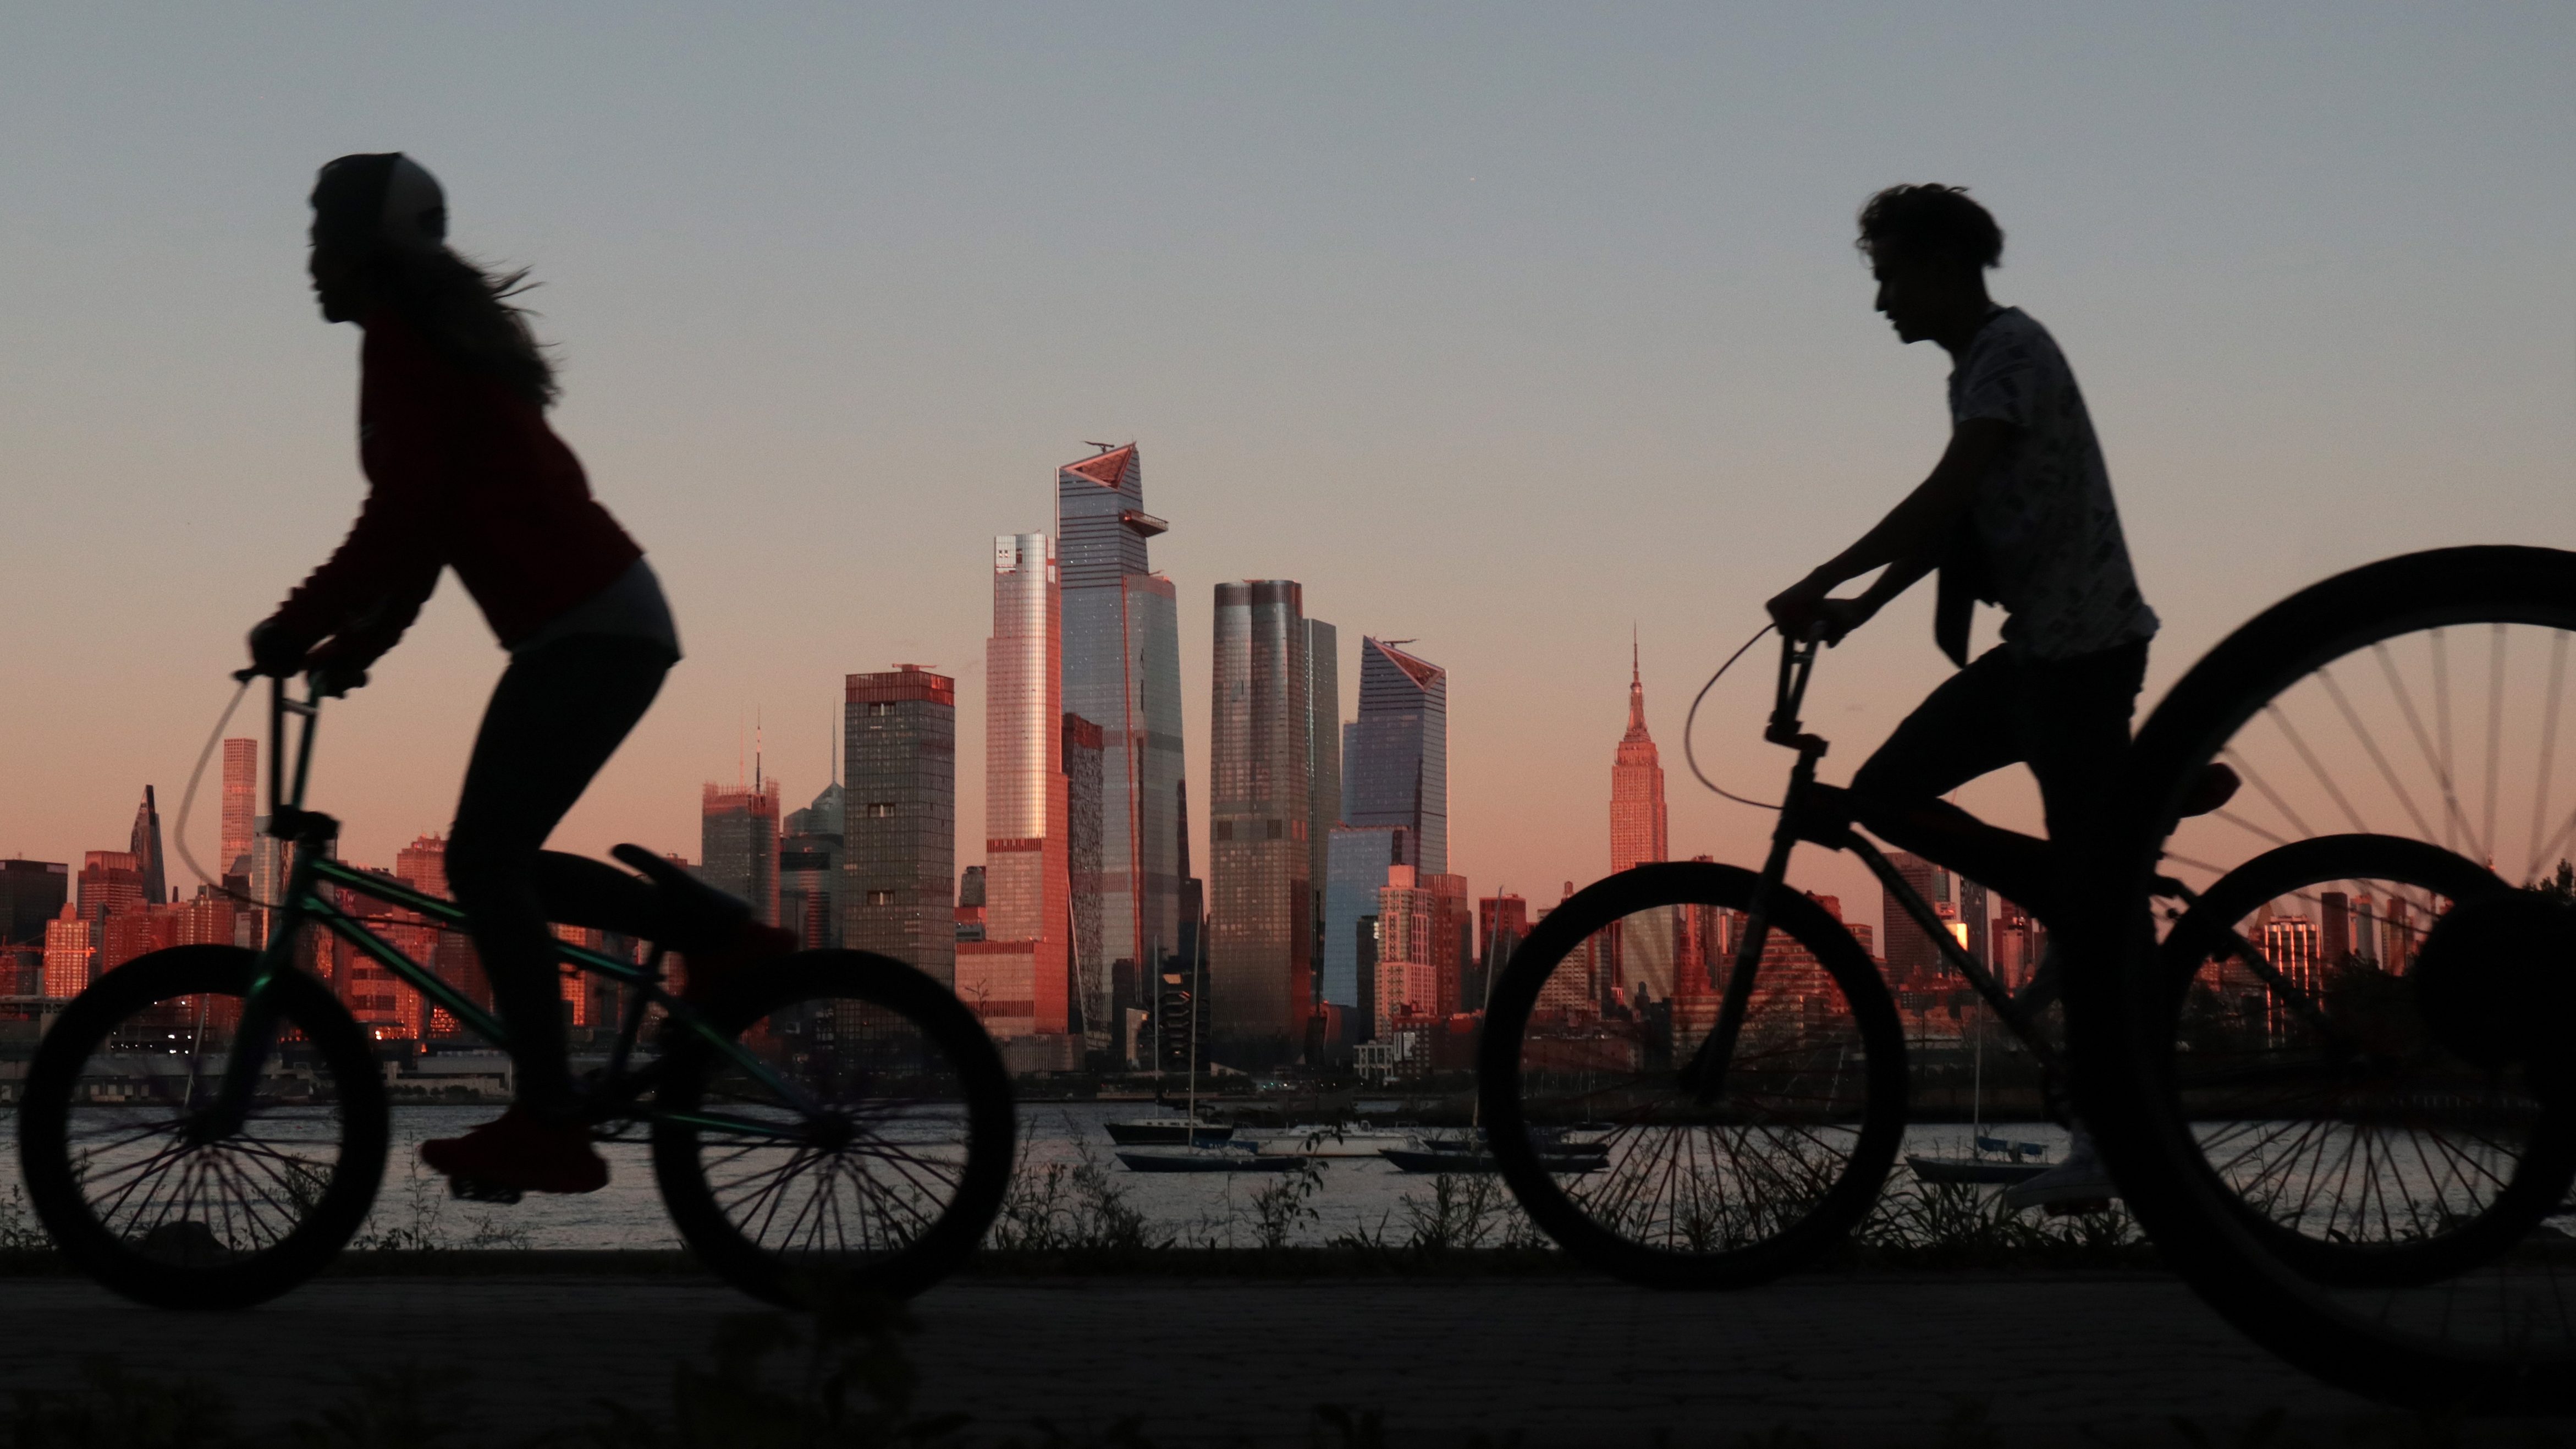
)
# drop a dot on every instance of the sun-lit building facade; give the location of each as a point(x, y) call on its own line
point(1027, 886)
point(241, 806)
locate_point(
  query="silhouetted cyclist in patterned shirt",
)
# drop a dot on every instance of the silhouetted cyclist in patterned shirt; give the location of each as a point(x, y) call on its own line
point(2018, 512)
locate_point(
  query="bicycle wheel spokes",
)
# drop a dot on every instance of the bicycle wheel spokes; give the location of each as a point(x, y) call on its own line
point(860, 1176)
point(138, 1180)
point(2452, 735)
point(2337, 1110)
point(152, 1183)
point(1661, 1175)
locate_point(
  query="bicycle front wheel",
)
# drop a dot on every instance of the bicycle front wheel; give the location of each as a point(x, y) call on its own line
point(853, 1133)
point(1666, 1184)
point(127, 1169)
point(2349, 1180)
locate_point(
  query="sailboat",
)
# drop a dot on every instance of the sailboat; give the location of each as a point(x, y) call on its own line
point(1990, 1161)
point(1192, 1146)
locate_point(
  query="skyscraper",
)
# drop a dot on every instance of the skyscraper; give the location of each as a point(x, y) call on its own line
point(1095, 978)
point(68, 953)
point(1912, 957)
point(1395, 756)
point(899, 827)
point(145, 847)
point(1648, 945)
point(422, 865)
point(1637, 821)
point(809, 866)
point(31, 895)
point(1260, 821)
point(110, 883)
point(1027, 885)
point(241, 806)
point(738, 843)
point(1122, 671)
point(1424, 930)
point(1358, 859)
point(1323, 767)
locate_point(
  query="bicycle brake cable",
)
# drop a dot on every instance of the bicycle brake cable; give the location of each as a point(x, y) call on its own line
point(1693, 718)
point(188, 802)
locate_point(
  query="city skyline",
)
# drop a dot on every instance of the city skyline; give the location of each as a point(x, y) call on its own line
point(866, 312)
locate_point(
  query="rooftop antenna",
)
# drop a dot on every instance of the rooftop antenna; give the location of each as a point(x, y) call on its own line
point(755, 752)
point(1104, 447)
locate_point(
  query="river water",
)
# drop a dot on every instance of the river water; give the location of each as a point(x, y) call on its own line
point(1352, 1195)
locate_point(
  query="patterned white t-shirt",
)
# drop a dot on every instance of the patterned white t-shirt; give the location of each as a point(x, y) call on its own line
point(2054, 553)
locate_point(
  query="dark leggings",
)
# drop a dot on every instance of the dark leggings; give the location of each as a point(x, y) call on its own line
point(557, 715)
point(2067, 719)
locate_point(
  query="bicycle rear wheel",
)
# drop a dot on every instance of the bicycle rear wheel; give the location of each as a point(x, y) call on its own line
point(121, 1166)
point(2329, 1162)
point(1650, 1180)
point(861, 1142)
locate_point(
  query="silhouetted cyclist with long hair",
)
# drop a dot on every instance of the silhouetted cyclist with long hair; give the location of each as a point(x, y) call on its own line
point(464, 473)
point(2018, 512)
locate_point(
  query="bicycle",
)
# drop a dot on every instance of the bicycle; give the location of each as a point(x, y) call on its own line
point(2334, 1087)
point(206, 1126)
point(1750, 1118)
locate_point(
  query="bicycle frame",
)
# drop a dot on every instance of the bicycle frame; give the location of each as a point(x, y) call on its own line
point(303, 903)
point(1818, 814)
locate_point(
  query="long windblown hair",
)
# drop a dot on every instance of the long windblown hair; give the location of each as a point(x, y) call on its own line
point(465, 311)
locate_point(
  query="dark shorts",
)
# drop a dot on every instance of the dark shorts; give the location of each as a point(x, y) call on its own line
point(2066, 719)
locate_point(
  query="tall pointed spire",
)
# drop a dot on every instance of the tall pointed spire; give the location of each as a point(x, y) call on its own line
point(1637, 818)
point(1636, 694)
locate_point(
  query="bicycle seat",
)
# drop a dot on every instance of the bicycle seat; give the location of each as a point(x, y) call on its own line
point(654, 868)
point(694, 899)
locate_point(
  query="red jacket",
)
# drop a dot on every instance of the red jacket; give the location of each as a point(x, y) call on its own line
point(464, 473)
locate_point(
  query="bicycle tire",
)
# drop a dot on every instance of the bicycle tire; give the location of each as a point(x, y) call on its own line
point(1785, 1245)
point(2453, 1242)
point(894, 1003)
point(2123, 1053)
point(175, 1271)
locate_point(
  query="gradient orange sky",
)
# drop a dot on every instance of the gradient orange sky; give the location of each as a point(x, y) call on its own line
point(1500, 328)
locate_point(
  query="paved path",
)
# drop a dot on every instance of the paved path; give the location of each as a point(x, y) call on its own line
point(1849, 1361)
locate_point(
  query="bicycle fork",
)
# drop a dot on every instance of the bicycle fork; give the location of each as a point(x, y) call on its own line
point(1705, 1074)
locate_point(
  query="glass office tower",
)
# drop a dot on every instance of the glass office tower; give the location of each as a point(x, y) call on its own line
point(1395, 756)
point(1122, 671)
point(899, 818)
point(1261, 907)
point(1027, 889)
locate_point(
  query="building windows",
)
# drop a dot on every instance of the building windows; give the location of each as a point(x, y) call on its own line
point(880, 898)
point(880, 809)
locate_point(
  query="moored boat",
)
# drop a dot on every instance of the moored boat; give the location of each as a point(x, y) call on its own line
point(1178, 1158)
point(1168, 1132)
point(1471, 1154)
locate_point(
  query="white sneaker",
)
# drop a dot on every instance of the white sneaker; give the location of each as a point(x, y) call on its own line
point(2080, 1178)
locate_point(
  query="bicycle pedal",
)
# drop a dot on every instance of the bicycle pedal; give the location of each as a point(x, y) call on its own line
point(475, 1189)
point(2077, 1207)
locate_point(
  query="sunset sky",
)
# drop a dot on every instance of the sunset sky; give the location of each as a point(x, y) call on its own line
point(1501, 328)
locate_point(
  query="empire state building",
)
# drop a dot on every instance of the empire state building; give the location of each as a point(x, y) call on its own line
point(1636, 786)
